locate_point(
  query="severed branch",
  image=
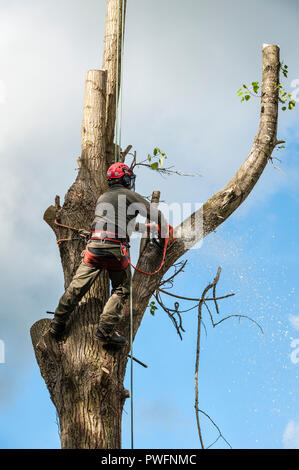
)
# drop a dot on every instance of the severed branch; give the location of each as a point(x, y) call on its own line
point(177, 322)
point(174, 313)
point(203, 302)
point(210, 286)
point(176, 318)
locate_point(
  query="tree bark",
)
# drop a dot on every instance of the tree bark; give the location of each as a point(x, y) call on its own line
point(85, 381)
point(115, 22)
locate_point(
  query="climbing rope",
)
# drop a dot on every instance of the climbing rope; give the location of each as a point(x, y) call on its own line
point(119, 80)
point(118, 129)
point(60, 240)
point(125, 253)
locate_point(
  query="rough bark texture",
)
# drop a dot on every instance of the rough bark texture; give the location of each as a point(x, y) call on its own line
point(85, 381)
point(112, 63)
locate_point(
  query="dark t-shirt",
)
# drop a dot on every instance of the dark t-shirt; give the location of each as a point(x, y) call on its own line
point(117, 209)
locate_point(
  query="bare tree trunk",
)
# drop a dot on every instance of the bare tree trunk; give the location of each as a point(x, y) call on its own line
point(84, 380)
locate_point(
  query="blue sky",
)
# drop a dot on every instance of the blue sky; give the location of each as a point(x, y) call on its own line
point(180, 80)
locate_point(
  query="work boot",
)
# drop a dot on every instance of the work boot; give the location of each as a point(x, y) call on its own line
point(57, 330)
point(106, 335)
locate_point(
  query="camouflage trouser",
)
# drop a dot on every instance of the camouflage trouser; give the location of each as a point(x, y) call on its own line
point(84, 278)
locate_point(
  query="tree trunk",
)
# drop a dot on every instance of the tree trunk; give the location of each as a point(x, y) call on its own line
point(85, 381)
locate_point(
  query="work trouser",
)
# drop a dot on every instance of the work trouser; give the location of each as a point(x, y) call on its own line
point(87, 272)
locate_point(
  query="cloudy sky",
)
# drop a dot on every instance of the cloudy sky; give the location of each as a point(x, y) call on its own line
point(184, 61)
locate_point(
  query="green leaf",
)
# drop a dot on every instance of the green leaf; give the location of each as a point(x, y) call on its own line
point(255, 86)
point(284, 108)
point(292, 105)
point(247, 97)
point(153, 308)
point(155, 166)
point(149, 157)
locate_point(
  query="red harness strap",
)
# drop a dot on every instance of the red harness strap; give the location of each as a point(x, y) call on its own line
point(105, 262)
point(90, 258)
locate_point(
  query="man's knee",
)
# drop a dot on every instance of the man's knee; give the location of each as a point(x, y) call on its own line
point(121, 291)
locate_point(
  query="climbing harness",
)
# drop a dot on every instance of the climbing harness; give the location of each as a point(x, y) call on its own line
point(124, 244)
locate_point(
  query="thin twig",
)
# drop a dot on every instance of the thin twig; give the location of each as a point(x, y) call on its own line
point(218, 429)
point(239, 316)
point(195, 299)
point(167, 171)
point(182, 265)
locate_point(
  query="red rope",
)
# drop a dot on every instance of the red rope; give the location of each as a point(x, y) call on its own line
point(143, 272)
point(68, 227)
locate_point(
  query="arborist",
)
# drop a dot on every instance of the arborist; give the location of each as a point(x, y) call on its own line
point(107, 248)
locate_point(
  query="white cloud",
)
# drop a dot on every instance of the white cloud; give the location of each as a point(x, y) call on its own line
point(2, 92)
point(294, 320)
point(291, 436)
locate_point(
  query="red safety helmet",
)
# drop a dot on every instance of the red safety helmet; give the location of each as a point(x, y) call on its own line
point(121, 171)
